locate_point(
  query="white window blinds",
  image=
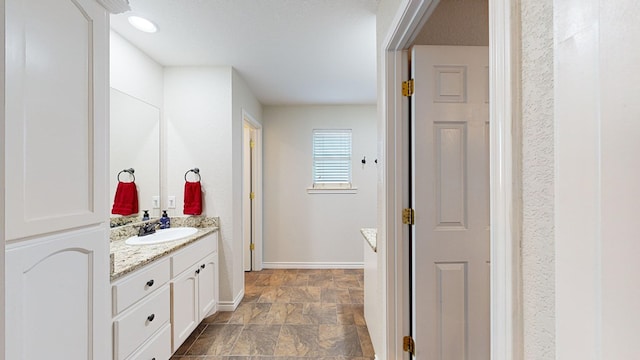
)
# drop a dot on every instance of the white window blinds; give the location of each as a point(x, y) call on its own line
point(332, 158)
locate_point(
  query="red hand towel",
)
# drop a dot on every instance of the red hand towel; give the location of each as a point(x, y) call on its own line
point(192, 198)
point(126, 199)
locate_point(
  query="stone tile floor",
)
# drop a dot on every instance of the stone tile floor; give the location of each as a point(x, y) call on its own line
point(285, 315)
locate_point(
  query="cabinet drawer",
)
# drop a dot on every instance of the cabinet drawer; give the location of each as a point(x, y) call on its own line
point(136, 325)
point(191, 254)
point(158, 347)
point(131, 289)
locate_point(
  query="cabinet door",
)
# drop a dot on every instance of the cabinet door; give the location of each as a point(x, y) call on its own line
point(208, 285)
point(56, 106)
point(184, 308)
point(57, 303)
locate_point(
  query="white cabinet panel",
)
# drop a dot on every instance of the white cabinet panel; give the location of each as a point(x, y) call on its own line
point(58, 281)
point(207, 285)
point(195, 291)
point(184, 307)
point(56, 83)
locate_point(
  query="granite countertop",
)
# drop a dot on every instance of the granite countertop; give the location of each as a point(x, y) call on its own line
point(127, 258)
point(370, 234)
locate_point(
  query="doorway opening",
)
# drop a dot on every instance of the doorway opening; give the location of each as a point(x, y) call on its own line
point(251, 193)
point(505, 309)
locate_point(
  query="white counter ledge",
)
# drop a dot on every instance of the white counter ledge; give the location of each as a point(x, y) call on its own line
point(370, 234)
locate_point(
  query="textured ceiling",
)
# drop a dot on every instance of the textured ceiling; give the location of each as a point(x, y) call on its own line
point(457, 22)
point(288, 51)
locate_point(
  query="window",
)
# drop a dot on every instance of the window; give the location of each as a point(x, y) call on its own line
point(332, 159)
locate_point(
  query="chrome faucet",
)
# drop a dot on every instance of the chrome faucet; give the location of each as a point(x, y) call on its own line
point(148, 228)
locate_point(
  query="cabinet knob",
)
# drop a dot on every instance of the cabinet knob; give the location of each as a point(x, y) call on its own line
point(198, 271)
point(151, 317)
point(150, 283)
point(202, 266)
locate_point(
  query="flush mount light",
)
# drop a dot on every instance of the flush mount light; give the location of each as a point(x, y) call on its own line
point(142, 24)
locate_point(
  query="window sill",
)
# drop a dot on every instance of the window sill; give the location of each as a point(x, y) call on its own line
point(329, 190)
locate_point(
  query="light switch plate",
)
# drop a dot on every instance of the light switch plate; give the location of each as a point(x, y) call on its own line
point(155, 202)
point(172, 202)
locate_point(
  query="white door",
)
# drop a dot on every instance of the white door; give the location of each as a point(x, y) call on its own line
point(450, 195)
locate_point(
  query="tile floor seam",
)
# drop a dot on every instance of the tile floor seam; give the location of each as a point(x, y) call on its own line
point(332, 299)
point(194, 341)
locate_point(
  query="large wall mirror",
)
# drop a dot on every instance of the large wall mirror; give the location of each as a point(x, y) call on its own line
point(135, 143)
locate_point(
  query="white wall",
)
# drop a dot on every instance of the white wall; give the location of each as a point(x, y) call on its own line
point(242, 99)
point(134, 72)
point(198, 116)
point(203, 111)
point(315, 228)
point(538, 260)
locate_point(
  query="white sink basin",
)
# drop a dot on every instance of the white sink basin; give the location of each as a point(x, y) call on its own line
point(161, 236)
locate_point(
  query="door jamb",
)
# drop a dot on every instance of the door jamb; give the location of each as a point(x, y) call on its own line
point(506, 302)
point(257, 127)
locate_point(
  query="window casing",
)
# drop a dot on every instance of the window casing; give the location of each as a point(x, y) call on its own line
point(332, 159)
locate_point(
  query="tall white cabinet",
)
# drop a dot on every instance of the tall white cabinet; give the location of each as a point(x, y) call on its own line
point(56, 161)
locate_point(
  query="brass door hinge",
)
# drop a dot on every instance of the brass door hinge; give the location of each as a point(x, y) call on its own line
point(408, 216)
point(252, 246)
point(408, 87)
point(252, 144)
point(252, 195)
point(408, 345)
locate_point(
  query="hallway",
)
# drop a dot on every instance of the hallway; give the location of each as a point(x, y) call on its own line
point(288, 314)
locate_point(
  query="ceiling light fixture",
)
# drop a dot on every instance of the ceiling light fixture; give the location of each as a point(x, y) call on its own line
point(142, 24)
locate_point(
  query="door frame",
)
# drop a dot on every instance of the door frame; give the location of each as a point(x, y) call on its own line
point(257, 128)
point(506, 306)
point(2, 177)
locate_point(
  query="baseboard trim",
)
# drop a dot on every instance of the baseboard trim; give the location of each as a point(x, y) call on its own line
point(231, 305)
point(312, 265)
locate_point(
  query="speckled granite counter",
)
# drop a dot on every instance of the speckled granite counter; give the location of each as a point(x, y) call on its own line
point(127, 258)
point(370, 235)
point(124, 220)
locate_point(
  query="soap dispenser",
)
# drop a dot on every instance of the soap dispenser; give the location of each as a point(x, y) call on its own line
point(145, 216)
point(165, 221)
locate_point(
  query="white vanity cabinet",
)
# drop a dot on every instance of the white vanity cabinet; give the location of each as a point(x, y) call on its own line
point(194, 287)
point(157, 307)
point(141, 309)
